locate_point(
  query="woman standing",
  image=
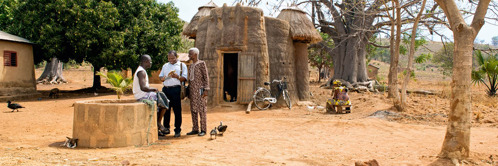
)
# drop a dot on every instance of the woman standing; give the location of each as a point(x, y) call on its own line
point(198, 90)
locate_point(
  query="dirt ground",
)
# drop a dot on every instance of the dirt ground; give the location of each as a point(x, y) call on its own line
point(278, 136)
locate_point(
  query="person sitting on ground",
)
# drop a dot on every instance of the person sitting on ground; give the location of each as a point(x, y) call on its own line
point(340, 94)
point(142, 90)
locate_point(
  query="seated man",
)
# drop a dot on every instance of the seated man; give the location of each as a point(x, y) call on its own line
point(142, 91)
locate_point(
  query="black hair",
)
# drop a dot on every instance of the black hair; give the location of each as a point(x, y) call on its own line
point(144, 58)
point(173, 52)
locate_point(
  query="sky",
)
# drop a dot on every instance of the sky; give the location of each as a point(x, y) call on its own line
point(188, 8)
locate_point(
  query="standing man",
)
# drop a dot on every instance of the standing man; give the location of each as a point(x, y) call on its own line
point(142, 91)
point(173, 74)
point(198, 89)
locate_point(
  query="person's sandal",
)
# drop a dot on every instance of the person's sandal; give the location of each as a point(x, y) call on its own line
point(163, 129)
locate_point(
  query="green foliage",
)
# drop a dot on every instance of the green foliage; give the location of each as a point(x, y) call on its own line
point(320, 57)
point(111, 34)
point(487, 71)
point(422, 58)
point(186, 44)
point(419, 41)
point(444, 58)
point(6, 13)
point(380, 54)
point(118, 83)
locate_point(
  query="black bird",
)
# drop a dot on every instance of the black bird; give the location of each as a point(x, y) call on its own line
point(222, 128)
point(14, 106)
point(213, 132)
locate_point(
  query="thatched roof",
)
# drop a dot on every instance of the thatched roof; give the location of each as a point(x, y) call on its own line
point(301, 27)
point(205, 10)
point(9, 37)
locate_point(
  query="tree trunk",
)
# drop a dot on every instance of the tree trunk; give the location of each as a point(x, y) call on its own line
point(456, 145)
point(409, 68)
point(349, 60)
point(52, 74)
point(96, 78)
point(457, 140)
point(320, 73)
point(393, 67)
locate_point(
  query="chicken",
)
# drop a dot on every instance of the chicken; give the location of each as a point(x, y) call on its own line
point(222, 128)
point(54, 93)
point(70, 142)
point(14, 106)
point(213, 132)
point(228, 97)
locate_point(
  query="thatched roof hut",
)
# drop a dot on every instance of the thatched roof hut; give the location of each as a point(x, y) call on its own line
point(301, 27)
point(243, 49)
point(191, 29)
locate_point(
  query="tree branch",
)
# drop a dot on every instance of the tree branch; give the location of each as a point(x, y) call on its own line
point(376, 45)
point(481, 10)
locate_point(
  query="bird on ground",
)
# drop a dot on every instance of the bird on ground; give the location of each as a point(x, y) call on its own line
point(70, 142)
point(213, 132)
point(14, 106)
point(222, 128)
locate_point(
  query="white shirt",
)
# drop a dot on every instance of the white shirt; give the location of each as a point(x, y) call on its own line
point(168, 67)
point(137, 92)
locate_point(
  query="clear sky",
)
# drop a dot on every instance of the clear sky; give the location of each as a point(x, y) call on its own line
point(188, 8)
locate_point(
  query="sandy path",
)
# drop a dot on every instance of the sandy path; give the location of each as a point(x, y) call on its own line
point(274, 137)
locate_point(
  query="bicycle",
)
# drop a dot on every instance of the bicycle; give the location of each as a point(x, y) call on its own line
point(263, 98)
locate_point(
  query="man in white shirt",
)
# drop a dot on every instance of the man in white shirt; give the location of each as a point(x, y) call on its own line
point(173, 74)
point(142, 90)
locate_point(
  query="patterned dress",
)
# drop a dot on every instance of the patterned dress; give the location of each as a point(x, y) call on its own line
point(198, 79)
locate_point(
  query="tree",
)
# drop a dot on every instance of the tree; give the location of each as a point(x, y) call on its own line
point(414, 44)
point(318, 53)
point(58, 28)
point(494, 40)
point(488, 70)
point(444, 57)
point(109, 34)
point(456, 144)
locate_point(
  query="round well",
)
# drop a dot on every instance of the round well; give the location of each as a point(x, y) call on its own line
point(114, 123)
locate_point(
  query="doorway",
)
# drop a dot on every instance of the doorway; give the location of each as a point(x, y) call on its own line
point(230, 73)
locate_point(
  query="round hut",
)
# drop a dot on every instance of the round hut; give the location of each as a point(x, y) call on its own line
point(205, 10)
point(281, 54)
point(232, 42)
point(302, 32)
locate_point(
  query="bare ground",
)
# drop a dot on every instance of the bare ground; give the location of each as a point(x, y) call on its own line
point(273, 137)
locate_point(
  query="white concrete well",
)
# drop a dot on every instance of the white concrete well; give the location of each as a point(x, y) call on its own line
point(114, 123)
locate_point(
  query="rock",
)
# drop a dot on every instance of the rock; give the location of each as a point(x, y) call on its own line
point(367, 163)
point(125, 163)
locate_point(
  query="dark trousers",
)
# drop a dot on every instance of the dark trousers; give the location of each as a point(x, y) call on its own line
point(173, 94)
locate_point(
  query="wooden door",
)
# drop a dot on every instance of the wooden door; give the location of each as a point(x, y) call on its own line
point(247, 78)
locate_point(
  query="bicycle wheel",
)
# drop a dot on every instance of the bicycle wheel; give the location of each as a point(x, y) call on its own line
point(259, 98)
point(287, 99)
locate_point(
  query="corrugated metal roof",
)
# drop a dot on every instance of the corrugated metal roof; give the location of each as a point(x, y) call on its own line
point(9, 37)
